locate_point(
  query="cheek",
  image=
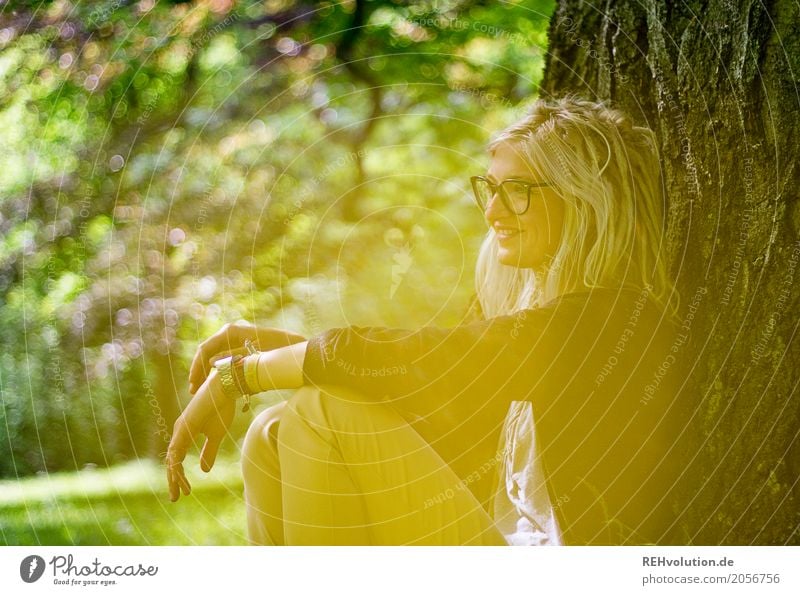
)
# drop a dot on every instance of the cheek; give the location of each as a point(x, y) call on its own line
point(551, 223)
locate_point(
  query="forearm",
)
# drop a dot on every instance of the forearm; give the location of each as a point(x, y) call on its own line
point(273, 338)
point(277, 368)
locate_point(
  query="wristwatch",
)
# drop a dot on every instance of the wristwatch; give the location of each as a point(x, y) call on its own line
point(231, 375)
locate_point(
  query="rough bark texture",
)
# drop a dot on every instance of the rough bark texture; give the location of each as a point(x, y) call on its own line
point(718, 83)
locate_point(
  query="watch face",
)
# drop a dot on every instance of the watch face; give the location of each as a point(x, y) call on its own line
point(227, 361)
point(223, 362)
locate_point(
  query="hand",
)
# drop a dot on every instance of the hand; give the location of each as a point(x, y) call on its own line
point(230, 340)
point(210, 412)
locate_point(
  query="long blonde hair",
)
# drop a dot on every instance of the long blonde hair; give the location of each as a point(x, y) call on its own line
point(608, 172)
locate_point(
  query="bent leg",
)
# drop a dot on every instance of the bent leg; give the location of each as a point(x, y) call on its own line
point(262, 478)
point(355, 472)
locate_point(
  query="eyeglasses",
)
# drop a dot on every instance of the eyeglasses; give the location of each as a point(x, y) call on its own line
point(515, 193)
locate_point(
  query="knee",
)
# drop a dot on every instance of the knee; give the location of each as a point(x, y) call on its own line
point(331, 407)
point(303, 408)
point(318, 404)
point(260, 441)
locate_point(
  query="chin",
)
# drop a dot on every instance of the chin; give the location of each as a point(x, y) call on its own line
point(514, 260)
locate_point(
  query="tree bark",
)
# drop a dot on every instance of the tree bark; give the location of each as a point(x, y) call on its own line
point(718, 83)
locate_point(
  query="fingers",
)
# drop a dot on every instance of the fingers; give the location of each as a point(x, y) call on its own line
point(209, 453)
point(176, 452)
point(198, 370)
point(209, 413)
point(176, 477)
point(224, 410)
point(183, 432)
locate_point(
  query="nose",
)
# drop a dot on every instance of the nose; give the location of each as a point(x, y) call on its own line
point(495, 209)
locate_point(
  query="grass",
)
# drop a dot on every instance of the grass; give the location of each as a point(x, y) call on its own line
point(124, 505)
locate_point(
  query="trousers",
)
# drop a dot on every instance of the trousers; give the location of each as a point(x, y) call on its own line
point(330, 466)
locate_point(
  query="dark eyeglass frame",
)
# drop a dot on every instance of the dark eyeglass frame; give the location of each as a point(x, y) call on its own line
point(475, 180)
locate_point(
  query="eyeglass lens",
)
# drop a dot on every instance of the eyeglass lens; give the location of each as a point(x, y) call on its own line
point(513, 194)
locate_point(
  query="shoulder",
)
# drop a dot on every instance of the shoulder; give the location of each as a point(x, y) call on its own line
point(588, 304)
point(602, 310)
point(616, 301)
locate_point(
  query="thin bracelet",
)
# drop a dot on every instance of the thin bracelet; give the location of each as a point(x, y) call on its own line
point(250, 371)
point(248, 367)
point(258, 370)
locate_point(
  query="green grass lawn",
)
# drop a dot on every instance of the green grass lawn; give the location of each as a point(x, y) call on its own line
point(124, 505)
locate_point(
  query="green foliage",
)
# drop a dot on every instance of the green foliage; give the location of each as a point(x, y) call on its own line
point(167, 169)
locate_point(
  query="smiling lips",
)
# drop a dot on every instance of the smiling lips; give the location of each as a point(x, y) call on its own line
point(504, 233)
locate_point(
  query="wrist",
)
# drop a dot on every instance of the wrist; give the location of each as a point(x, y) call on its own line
point(242, 385)
point(225, 373)
point(231, 377)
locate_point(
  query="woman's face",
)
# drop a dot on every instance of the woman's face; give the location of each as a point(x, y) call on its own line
point(531, 239)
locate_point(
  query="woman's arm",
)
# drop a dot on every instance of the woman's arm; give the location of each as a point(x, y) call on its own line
point(278, 368)
point(230, 339)
point(474, 368)
point(448, 373)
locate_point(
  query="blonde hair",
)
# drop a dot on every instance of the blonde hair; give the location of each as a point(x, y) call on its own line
point(608, 172)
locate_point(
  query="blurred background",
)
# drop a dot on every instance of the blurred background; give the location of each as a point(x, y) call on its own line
point(166, 167)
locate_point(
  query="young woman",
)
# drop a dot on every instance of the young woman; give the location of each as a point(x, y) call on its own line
point(427, 436)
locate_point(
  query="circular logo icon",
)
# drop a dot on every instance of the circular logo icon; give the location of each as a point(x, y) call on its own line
point(31, 569)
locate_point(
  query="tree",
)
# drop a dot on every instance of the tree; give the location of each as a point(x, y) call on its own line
point(718, 85)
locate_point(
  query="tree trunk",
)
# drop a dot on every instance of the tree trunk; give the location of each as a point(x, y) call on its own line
point(717, 82)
